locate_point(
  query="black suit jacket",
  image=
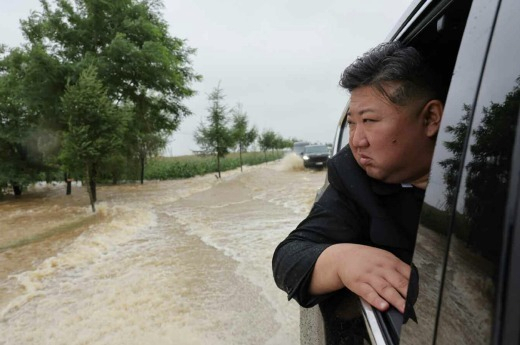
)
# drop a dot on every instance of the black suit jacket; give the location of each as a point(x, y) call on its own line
point(353, 209)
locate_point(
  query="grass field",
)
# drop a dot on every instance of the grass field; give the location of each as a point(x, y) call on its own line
point(167, 168)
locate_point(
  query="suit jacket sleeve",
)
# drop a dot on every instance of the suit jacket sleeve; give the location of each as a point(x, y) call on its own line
point(333, 219)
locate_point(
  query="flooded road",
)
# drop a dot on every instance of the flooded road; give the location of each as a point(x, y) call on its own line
point(170, 262)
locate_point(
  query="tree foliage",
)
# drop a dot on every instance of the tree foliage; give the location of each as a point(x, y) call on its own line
point(95, 128)
point(243, 136)
point(267, 140)
point(215, 137)
point(270, 140)
point(218, 135)
point(137, 60)
point(21, 160)
point(143, 70)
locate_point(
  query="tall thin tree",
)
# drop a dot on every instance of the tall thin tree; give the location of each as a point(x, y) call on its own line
point(215, 137)
point(242, 135)
point(95, 128)
point(267, 140)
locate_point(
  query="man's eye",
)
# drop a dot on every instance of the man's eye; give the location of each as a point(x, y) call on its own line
point(368, 120)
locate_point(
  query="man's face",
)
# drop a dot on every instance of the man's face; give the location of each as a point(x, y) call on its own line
point(391, 143)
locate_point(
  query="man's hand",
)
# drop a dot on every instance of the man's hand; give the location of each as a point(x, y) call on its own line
point(376, 275)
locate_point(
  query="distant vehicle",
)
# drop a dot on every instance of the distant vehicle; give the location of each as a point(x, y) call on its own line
point(299, 146)
point(315, 156)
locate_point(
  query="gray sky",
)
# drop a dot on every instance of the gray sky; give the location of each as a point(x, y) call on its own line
point(281, 59)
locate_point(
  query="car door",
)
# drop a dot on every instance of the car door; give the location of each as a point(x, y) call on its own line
point(472, 296)
point(454, 238)
point(437, 34)
point(466, 277)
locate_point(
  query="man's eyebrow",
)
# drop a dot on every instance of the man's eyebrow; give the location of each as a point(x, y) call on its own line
point(361, 112)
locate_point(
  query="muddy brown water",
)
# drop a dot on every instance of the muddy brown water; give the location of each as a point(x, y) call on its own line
point(168, 262)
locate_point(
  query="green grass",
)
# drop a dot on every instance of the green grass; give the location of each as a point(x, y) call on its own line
point(169, 168)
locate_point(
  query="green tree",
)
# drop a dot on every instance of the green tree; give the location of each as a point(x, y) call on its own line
point(266, 141)
point(242, 135)
point(288, 143)
point(215, 137)
point(21, 154)
point(141, 65)
point(281, 143)
point(95, 128)
point(43, 85)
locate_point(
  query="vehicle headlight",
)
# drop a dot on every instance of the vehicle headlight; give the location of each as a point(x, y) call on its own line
point(305, 157)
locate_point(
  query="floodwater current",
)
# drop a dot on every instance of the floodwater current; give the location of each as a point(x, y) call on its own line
point(168, 262)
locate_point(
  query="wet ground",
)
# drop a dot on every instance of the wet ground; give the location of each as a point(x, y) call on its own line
point(167, 262)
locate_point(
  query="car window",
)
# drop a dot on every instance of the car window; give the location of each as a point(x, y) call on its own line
point(466, 310)
point(342, 134)
point(507, 314)
point(316, 149)
point(439, 203)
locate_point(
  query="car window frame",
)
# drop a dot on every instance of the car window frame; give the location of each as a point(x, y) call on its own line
point(508, 314)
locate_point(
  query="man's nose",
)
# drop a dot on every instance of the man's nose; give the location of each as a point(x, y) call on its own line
point(358, 137)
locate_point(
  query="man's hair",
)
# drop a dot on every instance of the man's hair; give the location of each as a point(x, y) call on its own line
point(394, 62)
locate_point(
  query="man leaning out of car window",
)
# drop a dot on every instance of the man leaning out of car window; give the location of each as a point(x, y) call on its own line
point(359, 235)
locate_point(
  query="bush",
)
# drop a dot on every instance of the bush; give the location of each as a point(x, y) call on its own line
point(167, 168)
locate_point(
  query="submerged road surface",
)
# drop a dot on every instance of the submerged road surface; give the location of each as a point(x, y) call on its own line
point(170, 262)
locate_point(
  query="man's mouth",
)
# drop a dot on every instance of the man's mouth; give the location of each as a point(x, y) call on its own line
point(363, 159)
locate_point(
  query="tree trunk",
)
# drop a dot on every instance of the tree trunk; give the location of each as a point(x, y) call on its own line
point(92, 184)
point(218, 165)
point(93, 175)
point(89, 188)
point(142, 169)
point(17, 189)
point(265, 156)
point(69, 184)
point(240, 154)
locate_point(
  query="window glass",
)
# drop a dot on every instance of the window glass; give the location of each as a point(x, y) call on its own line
point(439, 202)
point(344, 137)
point(343, 133)
point(466, 313)
point(316, 149)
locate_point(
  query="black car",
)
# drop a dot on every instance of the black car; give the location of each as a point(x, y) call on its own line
point(315, 156)
point(467, 251)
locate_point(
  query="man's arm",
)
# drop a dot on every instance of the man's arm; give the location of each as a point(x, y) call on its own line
point(374, 274)
point(330, 221)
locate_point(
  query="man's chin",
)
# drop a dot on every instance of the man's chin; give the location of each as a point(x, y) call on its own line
point(373, 173)
point(376, 174)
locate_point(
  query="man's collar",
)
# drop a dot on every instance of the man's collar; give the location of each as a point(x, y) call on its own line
point(382, 188)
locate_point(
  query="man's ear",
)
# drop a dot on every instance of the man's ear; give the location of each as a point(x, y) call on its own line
point(432, 116)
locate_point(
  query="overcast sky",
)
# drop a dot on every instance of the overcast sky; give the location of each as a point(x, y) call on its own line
point(281, 59)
